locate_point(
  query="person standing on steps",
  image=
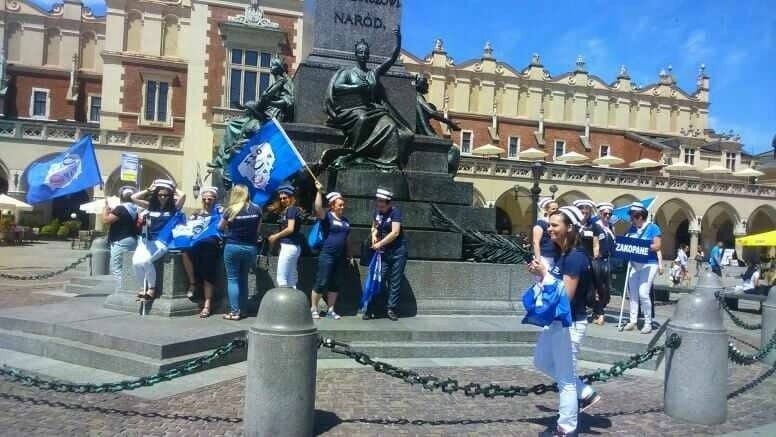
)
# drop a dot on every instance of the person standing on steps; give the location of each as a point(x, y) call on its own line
point(602, 267)
point(642, 275)
point(388, 238)
point(334, 252)
point(122, 234)
point(557, 347)
point(289, 236)
point(201, 261)
point(543, 247)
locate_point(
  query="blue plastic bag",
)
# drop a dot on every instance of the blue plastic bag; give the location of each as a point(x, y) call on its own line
point(546, 303)
point(315, 237)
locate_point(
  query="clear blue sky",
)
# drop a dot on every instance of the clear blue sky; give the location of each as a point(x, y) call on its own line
point(735, 39)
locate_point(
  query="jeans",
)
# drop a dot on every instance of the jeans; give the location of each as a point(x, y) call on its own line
point(639, 285)
point(556, 356)
point(288, 272)
point(602, 271)
point(394, 261)
point(717, 270)
point(238, 260)
point(146, 254)
point(117, 250)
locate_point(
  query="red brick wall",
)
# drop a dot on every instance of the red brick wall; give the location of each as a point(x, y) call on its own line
point(132, 96)
point(87, 87)
point(623, 147)
point(216, 63)
point(21, 86)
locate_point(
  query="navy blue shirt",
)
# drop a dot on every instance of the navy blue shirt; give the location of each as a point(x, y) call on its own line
point(335, 233)
point(384, 222)
point(547, 247)
point(576, 264)
point(292, 213)
point(591, 231)
point(244, 228)
point(155, 222)
point(606, 242)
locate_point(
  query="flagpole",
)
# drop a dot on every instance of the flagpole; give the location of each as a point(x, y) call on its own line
point(296, 152)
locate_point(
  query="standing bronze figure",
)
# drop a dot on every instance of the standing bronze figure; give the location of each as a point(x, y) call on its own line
point(425, 111)
point(376, 134)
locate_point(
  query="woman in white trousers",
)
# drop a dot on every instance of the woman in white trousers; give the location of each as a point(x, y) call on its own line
point(289, 236)
point(642, 275)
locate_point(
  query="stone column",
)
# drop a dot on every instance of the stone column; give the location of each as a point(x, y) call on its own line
point(694, 235)
point(739, 231)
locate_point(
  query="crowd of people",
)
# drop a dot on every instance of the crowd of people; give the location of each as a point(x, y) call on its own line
point(137, 224)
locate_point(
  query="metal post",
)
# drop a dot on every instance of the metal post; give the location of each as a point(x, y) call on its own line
point(769, 324)
point(697, 372)
point(282, 354)
point(100, 257)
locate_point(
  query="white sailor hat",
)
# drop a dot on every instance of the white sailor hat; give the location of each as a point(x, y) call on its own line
point(605, 205)
point(287, 189)
point(331, 197)
point(584, 202)
point(544, 201)
point(573, 214)
point(164, 183)
point(212, 190)
point(127, 189)
point(384, 194)
point(637, 206)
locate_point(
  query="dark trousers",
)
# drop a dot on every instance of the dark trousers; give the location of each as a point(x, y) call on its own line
point(603, 284)
point(717, 270)
point(394, 261)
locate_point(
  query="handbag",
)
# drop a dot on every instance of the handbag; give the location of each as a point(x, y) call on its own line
point(315, 237)
point(546, 303)
point(366, 253)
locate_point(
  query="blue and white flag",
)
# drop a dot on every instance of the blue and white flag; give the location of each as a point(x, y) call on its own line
point(374, 281)
point(623, 212)
point(186, 234)
point(634, 249)
point(265, 162)
point(71, 171)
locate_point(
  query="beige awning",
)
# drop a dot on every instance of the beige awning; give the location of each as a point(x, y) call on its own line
point(644, 163)
point(8, 202)
point(680, 167)
point(97, 205)
point(608, 160)
point(572, 157)
point(532, 153)
point(716, 169)
point(748, 173)
point(488, 150)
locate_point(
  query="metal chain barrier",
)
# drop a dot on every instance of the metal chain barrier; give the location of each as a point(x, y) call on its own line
point(450, 385)
point(739, 357)
point(186, 368)
point(754, 383)
point(39, 276)
point(737, 320)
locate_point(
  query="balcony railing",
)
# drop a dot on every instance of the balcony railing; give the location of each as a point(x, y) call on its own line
point(559, 173)
point(69, 133)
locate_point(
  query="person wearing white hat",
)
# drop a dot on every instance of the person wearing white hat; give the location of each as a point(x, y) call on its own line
point(642, 275)
point(557, 346)
point(200, 262)
point(543, 247)
point(122, 233)
point(602, 264)
point(333, 254)
point(289, 235)
point(161, 202)
point(388, 238)
point(592, 232)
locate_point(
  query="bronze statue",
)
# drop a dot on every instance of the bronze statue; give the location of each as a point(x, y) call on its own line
point(425, 111)
point(376, 134)
point(277, 102)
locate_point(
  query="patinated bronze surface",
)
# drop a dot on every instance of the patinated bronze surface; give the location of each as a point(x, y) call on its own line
point(425, 111)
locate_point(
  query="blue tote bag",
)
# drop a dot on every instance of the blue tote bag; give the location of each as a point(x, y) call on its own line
point(545, 303)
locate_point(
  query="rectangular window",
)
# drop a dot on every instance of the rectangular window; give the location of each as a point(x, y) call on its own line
point(730, 160)
point(249, 76)
point(95, 104)
point(514, 147)
point(466, 141)
point(603, 150)
point(156, 100)
point(560, 148)
point(689, 156)
point(39, 103)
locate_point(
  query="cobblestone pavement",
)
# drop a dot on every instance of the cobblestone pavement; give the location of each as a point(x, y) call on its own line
point(361, 402)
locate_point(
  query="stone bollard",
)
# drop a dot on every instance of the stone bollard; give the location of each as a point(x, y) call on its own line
point(769, 324)
point(282, 354)
point(697, 371)
point(100, 257)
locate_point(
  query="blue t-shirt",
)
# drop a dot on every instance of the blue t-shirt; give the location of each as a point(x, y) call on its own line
point(547, 247)
point(244, 228)
point(384, 222)
point(591, 231)
point(648, 232)
point(155, 222)
point(576, 264)
point(335, 233)
point(606, 241)
point(292, 213)
point(715, 256)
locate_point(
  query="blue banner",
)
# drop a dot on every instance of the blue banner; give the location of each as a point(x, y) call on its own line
point(634, 249)
point(265, 162)
point(373, 282)
point(192, 232)
point(71, 171)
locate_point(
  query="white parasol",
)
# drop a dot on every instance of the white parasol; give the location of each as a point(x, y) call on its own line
point(531, 153)
point(97, 205)
point(8, 202)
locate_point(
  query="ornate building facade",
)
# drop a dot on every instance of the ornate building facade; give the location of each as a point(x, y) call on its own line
point(650, 140)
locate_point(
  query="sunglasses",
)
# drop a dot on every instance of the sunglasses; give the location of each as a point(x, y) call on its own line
point(283, 198)
point(162, 195)
point(606, 214)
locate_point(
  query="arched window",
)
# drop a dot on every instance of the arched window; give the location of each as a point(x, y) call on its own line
point(88, 51)
point(14, 44)
point(134, 32)
point(170, 36)
point(52, 44)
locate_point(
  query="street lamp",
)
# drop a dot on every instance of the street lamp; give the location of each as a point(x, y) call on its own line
point(537, 170)
point(197, 183)
point(553, 190)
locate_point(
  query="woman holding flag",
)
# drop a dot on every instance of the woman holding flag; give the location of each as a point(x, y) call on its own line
point(161, 202)
point(642, 275)
point(289, 236)
point(558, 346)
point(200, 261)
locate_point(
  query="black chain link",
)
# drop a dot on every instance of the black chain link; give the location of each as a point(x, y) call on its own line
point(741, 358)
point(186, 368)
point(737, 320)
point(450, 385)
point(39, 276)
point(754, 383)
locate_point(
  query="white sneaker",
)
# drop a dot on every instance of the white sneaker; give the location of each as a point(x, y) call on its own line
point(646, 329)
point(630, 326)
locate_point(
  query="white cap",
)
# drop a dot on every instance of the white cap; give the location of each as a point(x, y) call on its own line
point(286, 188)
point(384, 194)
point(212, 190)
point(573, 214)
point(164, 183)
point(127, 189)
point(584, 202)
point(637, 206)
point(544, 201)
point(604, 206)
point(331, 197)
